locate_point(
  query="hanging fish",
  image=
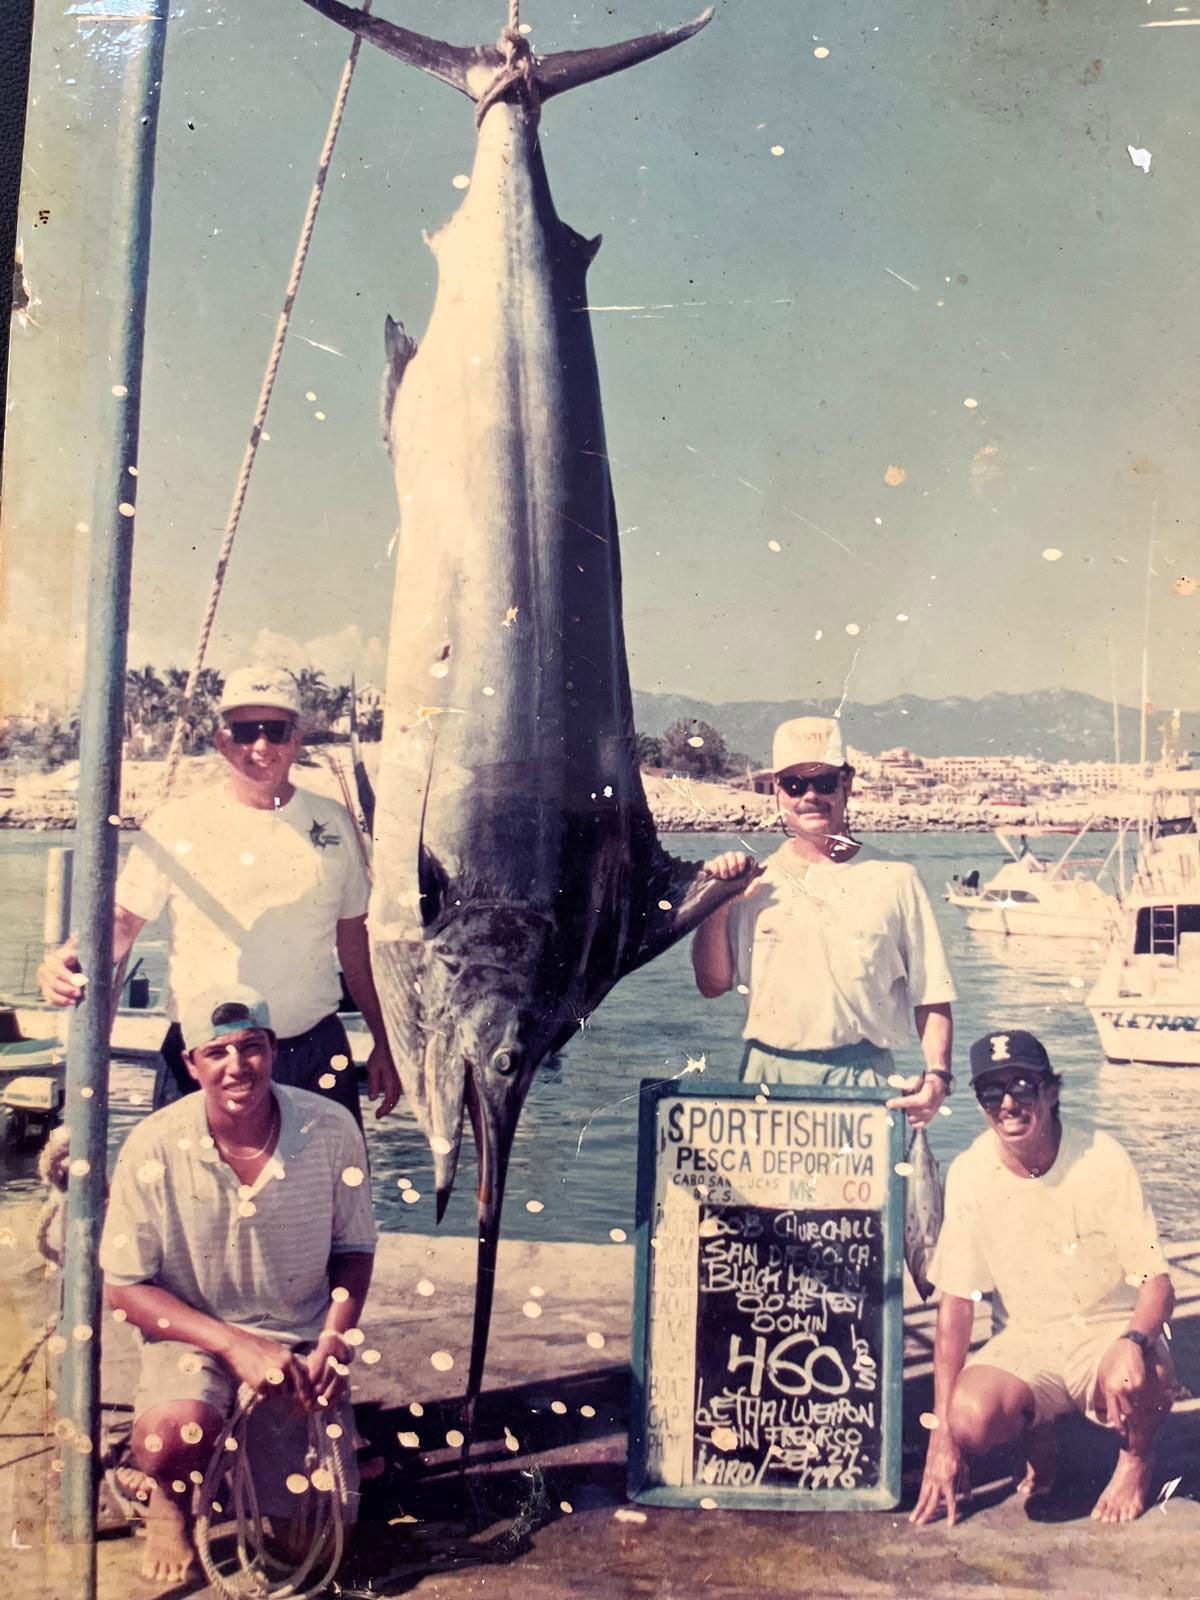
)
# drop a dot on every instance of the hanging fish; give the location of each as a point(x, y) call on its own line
point(518, 875)
point(922, 1212)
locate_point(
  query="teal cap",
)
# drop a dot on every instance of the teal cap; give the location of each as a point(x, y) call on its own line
point(230, 1008)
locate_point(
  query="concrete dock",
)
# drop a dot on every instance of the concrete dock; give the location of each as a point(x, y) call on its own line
point(543, 1512)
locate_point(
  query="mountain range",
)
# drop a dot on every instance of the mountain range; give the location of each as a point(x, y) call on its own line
point(1048, 725)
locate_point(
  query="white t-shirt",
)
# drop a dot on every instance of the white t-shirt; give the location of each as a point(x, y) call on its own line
point(1067, 1249)
point(252, 896)
point(837, 952)
point(176, 1215)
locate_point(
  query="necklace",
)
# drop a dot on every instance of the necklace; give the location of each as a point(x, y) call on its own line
point(251, 1155)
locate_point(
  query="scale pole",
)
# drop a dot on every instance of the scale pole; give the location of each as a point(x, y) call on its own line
point(138, 33)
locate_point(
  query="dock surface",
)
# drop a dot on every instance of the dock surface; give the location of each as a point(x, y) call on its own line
point(542, 1511)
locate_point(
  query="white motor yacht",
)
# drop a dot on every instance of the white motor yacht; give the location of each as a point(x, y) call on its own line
point(1146, 1001)
point(1057, 899)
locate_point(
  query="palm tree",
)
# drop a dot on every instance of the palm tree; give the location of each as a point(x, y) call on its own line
point(143, 700)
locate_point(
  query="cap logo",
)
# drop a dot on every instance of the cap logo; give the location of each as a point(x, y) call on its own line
point(999, 1043)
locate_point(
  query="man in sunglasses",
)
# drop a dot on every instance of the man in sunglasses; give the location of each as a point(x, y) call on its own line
point(1052, 1223)
point(833, 943)
point(263, 884)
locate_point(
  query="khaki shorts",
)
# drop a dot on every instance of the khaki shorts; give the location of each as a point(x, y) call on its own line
point(277, 1431)
point(1060, 1367)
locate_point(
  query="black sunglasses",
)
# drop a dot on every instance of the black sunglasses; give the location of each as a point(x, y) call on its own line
point(275, 731)
point(1023, 1090)
point(824, 783)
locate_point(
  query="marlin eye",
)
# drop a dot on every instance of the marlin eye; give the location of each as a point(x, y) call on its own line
point(504, 1062)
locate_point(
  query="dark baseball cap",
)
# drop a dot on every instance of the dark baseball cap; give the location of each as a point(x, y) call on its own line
point(1011, 1048)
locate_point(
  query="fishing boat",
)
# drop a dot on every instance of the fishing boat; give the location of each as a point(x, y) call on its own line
point(1146, 1000)
point(1062, 899)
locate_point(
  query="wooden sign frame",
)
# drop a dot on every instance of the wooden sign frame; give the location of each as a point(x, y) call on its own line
point(644, 1485)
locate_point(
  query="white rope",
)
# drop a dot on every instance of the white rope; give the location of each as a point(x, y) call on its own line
point(264, 400)
point(324, 1508)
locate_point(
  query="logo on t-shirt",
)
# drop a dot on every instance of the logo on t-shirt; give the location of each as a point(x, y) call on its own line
point(321, 837)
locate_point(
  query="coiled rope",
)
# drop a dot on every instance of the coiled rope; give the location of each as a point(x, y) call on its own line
point(323, 1504)
point(264, 400)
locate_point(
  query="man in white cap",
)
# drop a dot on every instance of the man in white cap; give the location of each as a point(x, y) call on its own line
point(262, 883)
point(832, 942)
point(239, 1242)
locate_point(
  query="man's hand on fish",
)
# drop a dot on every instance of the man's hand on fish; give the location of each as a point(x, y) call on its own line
point(60, 978)
point(383, 1081)
point(733, 864)
point(921, 1098)
point(944, 1480)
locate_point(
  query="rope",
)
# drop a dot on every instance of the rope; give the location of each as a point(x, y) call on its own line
point(327, 1520)
point(517, 68)
point(264, 400)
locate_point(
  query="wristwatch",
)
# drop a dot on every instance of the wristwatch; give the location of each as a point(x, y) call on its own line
point(1135, 1336)
point(940, 1072)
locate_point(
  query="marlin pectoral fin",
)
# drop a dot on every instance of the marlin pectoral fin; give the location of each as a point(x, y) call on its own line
point(566, 69)
point(680, 896)
point(400, 348)
point(449, 62)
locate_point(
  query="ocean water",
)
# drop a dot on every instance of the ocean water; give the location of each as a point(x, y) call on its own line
point(575, 1151)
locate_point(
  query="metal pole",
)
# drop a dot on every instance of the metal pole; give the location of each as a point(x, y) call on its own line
point(56, 913)
point(141, 42)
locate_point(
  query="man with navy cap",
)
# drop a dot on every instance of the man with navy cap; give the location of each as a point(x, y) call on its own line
point(239, 1242)
point(262, 883)
point(1051, 1222)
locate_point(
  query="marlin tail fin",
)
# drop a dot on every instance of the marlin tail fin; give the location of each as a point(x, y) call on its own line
point(472, 69)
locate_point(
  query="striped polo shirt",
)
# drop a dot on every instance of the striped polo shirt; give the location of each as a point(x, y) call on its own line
point(254, 1256)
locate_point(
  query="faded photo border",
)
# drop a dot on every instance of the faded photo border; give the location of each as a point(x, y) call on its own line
point(895, 333)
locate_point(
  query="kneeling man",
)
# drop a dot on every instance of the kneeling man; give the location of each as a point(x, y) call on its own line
point(1051, 1221)
point(239, 1242)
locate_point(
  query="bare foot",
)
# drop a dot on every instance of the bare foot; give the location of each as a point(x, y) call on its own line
point(1041, 1462)
point(1128, 1490)
point(170, 1555)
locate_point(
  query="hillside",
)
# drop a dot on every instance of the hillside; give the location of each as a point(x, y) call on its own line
point(1050, 725)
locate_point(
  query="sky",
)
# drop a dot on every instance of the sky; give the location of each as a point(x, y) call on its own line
point(896, 342)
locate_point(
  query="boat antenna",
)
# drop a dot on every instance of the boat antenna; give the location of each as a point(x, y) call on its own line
point(1116, 710)
point(1146, 656)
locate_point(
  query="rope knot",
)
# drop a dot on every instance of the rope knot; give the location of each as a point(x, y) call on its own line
point(515, 72)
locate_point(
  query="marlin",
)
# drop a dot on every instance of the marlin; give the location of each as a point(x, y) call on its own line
point(518, 874)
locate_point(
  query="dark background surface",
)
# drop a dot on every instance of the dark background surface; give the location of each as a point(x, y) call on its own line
point(15, 35)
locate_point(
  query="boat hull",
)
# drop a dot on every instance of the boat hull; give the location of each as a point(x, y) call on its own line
point(1046, 924)
point(1148, 1032)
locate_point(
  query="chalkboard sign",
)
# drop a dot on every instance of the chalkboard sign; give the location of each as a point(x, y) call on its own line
point(767, 1318)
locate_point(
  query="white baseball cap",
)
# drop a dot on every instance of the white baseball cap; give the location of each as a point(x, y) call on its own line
point(808, 742)
point(260, 686)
